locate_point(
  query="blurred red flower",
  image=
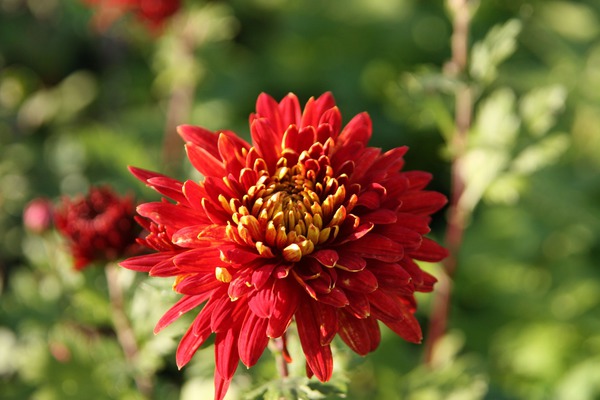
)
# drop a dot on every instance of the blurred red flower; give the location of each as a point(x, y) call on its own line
point(306, 224)
point(153, 13)
point(99, 227)
point(37, 215)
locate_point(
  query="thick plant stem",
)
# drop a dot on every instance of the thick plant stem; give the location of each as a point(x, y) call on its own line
point(457, 215)
point(123, 328)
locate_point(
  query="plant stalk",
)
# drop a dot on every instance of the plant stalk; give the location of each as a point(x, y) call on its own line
point(457, 215)
point(123, 329)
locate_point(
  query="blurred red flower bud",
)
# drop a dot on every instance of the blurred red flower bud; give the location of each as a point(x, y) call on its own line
point(153, 13)
point(37, 215)
point(99, 227)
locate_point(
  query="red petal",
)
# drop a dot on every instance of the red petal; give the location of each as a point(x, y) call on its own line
point(165, 269)
point(221, 386)
point(355, 232)
point(159, 182)
point(144, 263)
point(204, 162)
point(407, 328)
point(318, 358)
point(195, 336)
point(390, 162)
point(363, 163)
point(240, 286)
point(248, 178)
point(326, 257)
point(336, 298)
point(263, 302)
point(362, 281)
point(200, 137)
point(361, 335)
point(429, 251)
point(333, 118)
point(268, 108)
point(380, 216)
point(198, 284)
point(226, 353)
point(287, 299)
point(253, 339)
point(357, 130)
point(351, 262)
point(215, 214)
point(376, 246)
point(359, 305)
point(422, 281)
point(386, 307)
point(143, 174)
point(328, 323)
point(189, 237)
point(221, 318)
point(168, 187)
point(418, 179)
point(370, 200)
point(391, 276)
point(261, 274)
point(417, 223)
point(185, 304)
point(267, 141)
point(199, 260)
point(238, 255)
point(314, 109)
point(171, 215)
point(408, 238)
point(194, 193)
point(215, 186)
point(289, 109)
point(422, 202)
point(231, 155)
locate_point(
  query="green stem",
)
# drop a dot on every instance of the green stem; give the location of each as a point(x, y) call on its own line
point(123, 329)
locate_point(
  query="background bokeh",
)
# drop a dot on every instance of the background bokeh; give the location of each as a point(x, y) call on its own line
point(77, 106)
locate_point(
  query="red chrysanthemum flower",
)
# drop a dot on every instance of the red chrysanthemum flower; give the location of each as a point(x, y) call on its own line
point(99, 227)
point(306, 224)
point(153, 13)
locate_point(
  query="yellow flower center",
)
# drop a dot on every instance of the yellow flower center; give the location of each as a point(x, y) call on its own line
point(292, 212)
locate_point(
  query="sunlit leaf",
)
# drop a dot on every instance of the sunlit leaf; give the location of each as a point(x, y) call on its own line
point(499, 44)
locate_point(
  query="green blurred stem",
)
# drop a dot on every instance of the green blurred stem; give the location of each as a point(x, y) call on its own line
point(180, 104)
point(181, 98)
point(123, 329)
point(457, 215)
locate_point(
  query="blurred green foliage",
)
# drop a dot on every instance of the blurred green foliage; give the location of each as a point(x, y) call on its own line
point(78, 106)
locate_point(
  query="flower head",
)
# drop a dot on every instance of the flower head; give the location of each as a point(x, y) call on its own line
point(307, 224)
point(153, 13)
point(99, 227)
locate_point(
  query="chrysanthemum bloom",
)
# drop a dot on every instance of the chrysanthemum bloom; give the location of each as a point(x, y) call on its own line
point(307, 224)
point(153, 13)
point(99, 227)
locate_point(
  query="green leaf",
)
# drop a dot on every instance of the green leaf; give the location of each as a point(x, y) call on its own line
point(496, 125)
point(300, 388)
point(541, 154)
point(499, 44)
point(572, 20)
point(539, 108)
